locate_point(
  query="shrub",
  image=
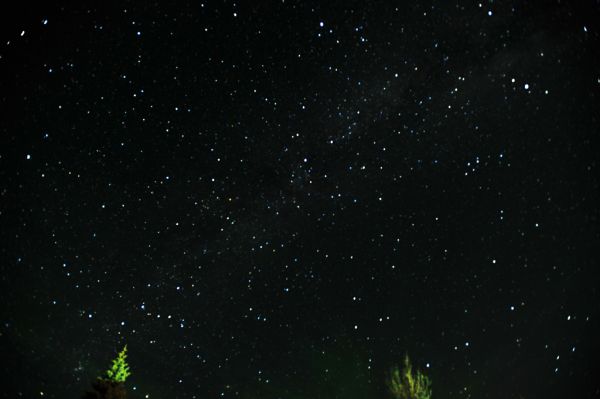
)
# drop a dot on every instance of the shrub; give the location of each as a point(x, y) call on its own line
point(404, 384)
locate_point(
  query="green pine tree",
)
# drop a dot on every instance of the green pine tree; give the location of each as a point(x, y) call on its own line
point(120, 369)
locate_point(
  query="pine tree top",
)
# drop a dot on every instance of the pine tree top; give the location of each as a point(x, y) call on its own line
point(120, 369)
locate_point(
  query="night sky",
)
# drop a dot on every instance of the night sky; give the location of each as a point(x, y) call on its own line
point(281, 199)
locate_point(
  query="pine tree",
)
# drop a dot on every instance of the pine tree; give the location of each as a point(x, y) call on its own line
point(120, 369)
point(112, 384)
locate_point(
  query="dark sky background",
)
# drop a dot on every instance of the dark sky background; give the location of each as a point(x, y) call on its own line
point(280, 199)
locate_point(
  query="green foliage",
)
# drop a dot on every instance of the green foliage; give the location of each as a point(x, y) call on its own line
point(404, 384)
point(120, 369)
